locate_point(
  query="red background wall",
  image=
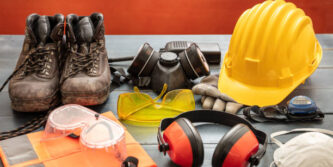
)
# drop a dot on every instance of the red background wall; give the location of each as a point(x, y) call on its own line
point(156, 16)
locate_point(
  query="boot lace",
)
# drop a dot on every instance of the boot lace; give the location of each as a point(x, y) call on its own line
point(81, 62)
point(35, 62)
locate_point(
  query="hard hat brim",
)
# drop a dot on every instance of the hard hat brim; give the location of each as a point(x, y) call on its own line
point(261, 96)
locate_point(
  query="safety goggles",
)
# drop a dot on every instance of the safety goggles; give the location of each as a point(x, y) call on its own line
point(98, 134)
point(277, 113)
point(140, 109)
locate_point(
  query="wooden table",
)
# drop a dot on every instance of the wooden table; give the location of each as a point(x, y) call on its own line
point(319, 87)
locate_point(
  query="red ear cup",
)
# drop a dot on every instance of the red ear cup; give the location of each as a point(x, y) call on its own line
point(185, 144)
point(235, 148)
point(144, 62)
point(194, 62)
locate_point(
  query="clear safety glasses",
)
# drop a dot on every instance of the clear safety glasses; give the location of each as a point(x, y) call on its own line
point(98, 134)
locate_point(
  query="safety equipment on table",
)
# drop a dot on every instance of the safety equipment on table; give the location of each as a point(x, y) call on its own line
point(98, 134)
point(273, 49)
point(211, 51)
point(86, 75)
point(168, 67)
point(33, 150)
point(212, 98)
point(140, 109)
point(310, 149)
point(33, 85)
point(299, 108)
point(237, 148)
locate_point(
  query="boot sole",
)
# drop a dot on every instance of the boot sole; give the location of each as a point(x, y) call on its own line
point(87, 100)
point(38, 105)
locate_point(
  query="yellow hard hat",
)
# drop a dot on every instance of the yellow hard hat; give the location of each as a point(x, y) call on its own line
point(273, 49)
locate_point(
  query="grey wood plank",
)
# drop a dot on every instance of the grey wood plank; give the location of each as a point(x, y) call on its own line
point(13, 122)
point(211, 133)
point(325, 40)
point(162, 160)
point(327, 59)
point(322, 96)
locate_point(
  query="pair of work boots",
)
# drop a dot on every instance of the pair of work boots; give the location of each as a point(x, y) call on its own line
point(52, 67)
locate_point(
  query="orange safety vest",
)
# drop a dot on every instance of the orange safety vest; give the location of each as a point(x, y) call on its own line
point(28, 151)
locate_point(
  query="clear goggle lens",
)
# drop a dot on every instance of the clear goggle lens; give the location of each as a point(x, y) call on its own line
point(98, 134)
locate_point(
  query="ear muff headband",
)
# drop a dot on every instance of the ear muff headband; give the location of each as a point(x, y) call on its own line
point(219, 118)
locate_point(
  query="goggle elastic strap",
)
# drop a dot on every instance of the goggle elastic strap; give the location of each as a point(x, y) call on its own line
point(277, 113)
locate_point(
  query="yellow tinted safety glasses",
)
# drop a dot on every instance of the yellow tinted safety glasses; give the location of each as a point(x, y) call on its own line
point(140, 109)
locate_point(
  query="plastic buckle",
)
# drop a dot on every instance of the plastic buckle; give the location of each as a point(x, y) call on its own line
point(130, 162)
point(254, 161)
point(162, 146)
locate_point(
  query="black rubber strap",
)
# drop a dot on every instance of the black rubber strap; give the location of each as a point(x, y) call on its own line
point(119, 73)
point(212, 116)
point(130, 162)
point(222, 118)
point(256, 114)
point(278, 114)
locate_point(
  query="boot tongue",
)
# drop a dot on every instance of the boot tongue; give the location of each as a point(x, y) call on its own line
point(42, 30)
point(85, 34)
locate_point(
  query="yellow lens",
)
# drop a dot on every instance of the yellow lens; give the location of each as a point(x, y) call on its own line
point(140, 109)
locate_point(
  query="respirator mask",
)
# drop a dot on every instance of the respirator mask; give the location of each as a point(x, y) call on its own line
point(176, 65)
point(310, 149)
point(168, 68)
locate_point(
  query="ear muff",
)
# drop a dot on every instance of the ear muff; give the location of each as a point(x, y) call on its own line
point(144, 62)
point(185, 144)
point(235, 148)
point(194, 62)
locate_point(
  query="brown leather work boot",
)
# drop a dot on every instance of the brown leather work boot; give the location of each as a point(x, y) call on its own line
point(86, 75)
point(34, 85)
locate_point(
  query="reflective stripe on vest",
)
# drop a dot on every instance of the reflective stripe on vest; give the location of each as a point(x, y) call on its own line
point(18, 150)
